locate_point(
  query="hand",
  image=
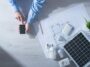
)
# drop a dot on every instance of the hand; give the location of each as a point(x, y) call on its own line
point(19, 17)
point(27, 27)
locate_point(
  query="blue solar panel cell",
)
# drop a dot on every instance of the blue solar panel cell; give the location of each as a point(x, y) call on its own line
point(79, 49)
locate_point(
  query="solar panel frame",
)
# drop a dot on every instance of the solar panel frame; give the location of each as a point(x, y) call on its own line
point(75, 49)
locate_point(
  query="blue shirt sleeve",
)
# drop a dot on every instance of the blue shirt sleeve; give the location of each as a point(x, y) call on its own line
point(14, 5)
point(34, 10)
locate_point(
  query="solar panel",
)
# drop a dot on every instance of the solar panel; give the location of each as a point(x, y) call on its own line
point(79, 49)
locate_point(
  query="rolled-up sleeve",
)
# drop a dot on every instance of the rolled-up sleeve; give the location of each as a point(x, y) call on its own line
point(14, 5)
point(34, 10)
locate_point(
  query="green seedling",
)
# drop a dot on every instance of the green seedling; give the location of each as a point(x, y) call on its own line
point(87, 24)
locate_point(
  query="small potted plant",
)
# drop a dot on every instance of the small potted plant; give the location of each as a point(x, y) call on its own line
point(88, 24)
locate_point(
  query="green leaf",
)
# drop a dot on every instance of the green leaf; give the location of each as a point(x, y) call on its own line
point(88, 24)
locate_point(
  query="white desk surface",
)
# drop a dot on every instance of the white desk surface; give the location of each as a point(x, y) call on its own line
point(75, 15)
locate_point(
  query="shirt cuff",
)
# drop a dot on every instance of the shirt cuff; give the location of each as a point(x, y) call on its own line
point(14, 5)
point(15, 8)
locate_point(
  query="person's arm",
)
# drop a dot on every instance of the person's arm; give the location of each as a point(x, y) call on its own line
point(14, 5)
point(16, 8)
point(35, 7)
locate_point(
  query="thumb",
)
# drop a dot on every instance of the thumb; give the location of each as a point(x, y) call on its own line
point(24, 22)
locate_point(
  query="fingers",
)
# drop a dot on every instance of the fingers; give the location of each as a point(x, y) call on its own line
point(20, 17)
point(16, 17)
point(27, 28)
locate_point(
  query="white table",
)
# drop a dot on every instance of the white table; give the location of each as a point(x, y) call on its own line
point(75, 15)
